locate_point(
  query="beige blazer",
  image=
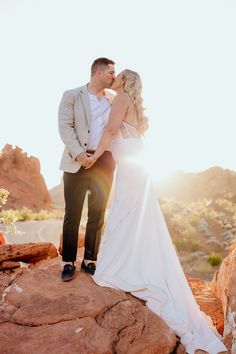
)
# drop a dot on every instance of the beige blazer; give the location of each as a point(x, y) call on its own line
point(73, 123)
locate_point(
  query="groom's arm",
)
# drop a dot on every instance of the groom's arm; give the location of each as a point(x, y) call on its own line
point(66, 124)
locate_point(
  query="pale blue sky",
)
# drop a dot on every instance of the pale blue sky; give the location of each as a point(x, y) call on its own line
point(184, 51)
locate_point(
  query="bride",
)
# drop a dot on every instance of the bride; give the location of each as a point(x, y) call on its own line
point(136, 253)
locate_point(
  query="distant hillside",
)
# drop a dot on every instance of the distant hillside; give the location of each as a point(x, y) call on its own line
point(211, 183)
point(57, 196)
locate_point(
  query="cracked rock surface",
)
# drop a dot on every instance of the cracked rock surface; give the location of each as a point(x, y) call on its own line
point(41, 314)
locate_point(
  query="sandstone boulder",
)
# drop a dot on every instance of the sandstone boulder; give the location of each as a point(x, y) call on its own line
point(2, 239)
point(208, 302)
point(9, 265)
point(42, 314)
point(27, 252)
point(224, 286)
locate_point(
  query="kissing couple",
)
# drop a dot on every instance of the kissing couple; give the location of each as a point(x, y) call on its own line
point(136, 253)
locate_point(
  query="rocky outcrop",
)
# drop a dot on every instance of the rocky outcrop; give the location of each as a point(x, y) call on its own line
point(41, 312)
point(208, 302)
point(2, 239)
point(6, 265)
point(11, 255)
point(45, 315)
point(21, 176)
point(224, 286)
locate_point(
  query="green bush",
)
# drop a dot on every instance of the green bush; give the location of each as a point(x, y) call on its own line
point(214, 259)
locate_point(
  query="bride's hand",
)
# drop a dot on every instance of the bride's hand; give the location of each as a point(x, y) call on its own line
point(90, 161)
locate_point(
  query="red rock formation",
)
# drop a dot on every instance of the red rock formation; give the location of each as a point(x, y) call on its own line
point(6, 265)
point(37, 306)
point(27, 252)
point(224, 286)
point(21, 176)
point(40, 311)
point(208, 302)
point(2, 239)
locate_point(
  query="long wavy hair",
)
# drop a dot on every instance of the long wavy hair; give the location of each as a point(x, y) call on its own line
point(133, 87)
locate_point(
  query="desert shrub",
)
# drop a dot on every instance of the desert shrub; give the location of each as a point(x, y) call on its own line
point(194, 219)
point(186, 244)
point(46, 215)
point(24, 214)
point(209, 213)
point(182, 225)
point(41, 215)
point(170, 206)
point(234, 217)
point(7, 217)
point(203, 267)
point(225, 204)
point(214, 259)
point(3, 197)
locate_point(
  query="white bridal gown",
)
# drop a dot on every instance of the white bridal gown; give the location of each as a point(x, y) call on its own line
point(137, 254)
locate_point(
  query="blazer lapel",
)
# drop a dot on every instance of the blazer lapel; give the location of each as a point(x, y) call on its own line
point(85, 100)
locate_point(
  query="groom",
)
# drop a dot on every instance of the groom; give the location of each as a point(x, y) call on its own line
point(83, 113)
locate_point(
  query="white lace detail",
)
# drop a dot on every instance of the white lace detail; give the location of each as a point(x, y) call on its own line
point(128, 131)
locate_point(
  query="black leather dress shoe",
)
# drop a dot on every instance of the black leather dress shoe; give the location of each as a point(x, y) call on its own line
point(68, 272)
point(90, 268)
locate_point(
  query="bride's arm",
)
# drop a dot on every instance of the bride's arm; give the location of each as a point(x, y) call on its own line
point(118, 111)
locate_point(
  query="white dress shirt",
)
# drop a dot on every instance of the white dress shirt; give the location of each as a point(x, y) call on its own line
point(100, 110)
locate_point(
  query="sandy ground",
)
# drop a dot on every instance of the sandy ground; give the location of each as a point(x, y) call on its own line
point(37, 231)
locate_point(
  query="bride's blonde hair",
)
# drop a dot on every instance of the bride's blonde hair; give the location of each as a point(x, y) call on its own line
point(133, 86)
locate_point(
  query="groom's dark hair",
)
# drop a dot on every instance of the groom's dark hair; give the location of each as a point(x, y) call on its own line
point(100, 63)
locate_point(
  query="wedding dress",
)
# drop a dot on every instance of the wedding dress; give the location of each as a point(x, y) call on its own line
point(137, 254)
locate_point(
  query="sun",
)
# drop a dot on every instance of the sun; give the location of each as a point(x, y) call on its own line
point(153, 159)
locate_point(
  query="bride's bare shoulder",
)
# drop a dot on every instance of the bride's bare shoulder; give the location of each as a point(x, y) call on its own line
point(121, 97)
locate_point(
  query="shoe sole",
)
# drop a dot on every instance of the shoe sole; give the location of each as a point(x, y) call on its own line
point(85, 271)
point(65, 280)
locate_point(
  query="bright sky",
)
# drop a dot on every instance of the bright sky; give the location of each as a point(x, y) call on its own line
point(185, 52)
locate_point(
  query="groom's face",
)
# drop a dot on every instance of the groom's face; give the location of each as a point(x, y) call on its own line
point(107, 75)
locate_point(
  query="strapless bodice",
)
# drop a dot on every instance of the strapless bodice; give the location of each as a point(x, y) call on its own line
point(127, 145)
